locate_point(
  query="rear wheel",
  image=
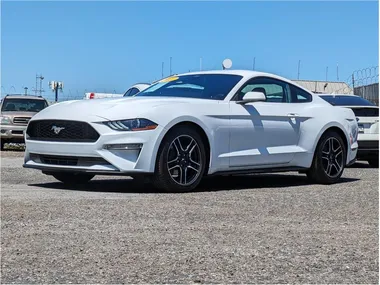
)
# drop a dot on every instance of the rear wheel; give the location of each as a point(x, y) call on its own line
point(329, 159)
point(181, 160)
point(374, 162)
point(72, 178)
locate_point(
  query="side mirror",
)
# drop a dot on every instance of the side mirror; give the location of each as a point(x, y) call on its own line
point(252, 96)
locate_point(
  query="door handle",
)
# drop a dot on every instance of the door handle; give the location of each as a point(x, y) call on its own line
point(291, 115)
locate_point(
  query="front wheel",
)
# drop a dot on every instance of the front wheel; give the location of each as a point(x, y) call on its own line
point(181, 160)
point(329, 159)
point(72, 178)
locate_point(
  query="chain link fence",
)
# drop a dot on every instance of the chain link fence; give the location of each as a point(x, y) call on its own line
point(363, 82)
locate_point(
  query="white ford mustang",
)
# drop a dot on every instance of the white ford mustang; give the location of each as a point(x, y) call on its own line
point(187, 126)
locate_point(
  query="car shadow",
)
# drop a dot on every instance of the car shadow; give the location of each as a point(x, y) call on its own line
point(360, 164)
point(209, 184)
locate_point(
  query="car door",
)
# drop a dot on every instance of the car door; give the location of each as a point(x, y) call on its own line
point(264, 134)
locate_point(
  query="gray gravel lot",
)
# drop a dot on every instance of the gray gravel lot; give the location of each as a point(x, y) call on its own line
point(249, 229)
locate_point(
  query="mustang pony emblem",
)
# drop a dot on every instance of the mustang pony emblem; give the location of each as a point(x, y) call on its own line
point(57, 129)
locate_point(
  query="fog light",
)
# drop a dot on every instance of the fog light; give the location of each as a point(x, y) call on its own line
point(129, 146)
point(3, 131)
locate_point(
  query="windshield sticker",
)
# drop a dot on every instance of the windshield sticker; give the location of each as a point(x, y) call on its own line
point(169, 79)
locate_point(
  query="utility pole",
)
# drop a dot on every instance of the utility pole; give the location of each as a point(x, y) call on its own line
point(299, 64)
point(337, 72)
point(162, 70)
point(327, 70)
point(170, 66)
point(254, 62)
point(200, 64)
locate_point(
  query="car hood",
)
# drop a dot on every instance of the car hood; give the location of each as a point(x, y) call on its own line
point(110, 109)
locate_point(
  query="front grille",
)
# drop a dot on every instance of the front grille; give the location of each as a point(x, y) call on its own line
point(59, 160)
point(67, 160)
point(21, 120)
point(61, 130)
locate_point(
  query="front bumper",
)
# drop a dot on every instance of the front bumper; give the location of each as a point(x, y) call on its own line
point(50, 156)
point(12, 132)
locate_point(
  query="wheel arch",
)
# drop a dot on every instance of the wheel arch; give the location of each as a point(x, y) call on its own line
point(191, 122)
point(334, 126)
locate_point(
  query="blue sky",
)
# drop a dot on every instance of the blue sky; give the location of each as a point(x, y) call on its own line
point(108, 46)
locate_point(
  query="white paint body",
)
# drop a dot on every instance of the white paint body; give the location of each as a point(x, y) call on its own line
point(260, 135)
point(368, 126)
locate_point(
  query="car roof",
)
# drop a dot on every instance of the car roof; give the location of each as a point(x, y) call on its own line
point(139, 85)
point(24, 97)
point(338, 95)
point(245, 74)
point(250, 73)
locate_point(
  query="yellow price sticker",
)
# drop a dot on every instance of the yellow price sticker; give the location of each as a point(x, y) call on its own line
point(173, 78)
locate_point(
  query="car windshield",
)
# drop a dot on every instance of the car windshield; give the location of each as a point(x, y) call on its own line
point(23, 105)
point(347, 100)
point(203, 86)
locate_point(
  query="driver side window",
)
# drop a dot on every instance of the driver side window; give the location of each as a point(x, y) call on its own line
point(274, 90)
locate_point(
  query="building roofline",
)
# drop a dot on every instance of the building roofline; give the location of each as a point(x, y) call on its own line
point(322, 81)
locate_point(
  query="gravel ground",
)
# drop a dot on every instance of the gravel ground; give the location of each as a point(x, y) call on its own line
point(246, 229)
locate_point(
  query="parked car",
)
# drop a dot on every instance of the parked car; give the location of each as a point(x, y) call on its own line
point(16, 111)
point(191, 125)
point(130, 92)
point(97, 95)
point(367, 115)
point(136, 89)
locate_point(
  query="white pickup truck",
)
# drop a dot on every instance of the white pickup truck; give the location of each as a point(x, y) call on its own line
point(130, 92)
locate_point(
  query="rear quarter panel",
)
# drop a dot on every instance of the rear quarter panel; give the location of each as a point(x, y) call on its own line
point(320, 119)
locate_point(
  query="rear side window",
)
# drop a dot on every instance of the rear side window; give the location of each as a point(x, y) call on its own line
point(299, 95)
point(134, 91)
point(128, 93)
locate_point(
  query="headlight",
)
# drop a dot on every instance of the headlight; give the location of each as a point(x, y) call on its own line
point(131, 125)
point(5, 120)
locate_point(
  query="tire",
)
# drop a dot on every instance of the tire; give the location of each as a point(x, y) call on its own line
point(181, 160)
point(2, 143)
point(374, 162)
point(329, 161)
point(69, 178)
